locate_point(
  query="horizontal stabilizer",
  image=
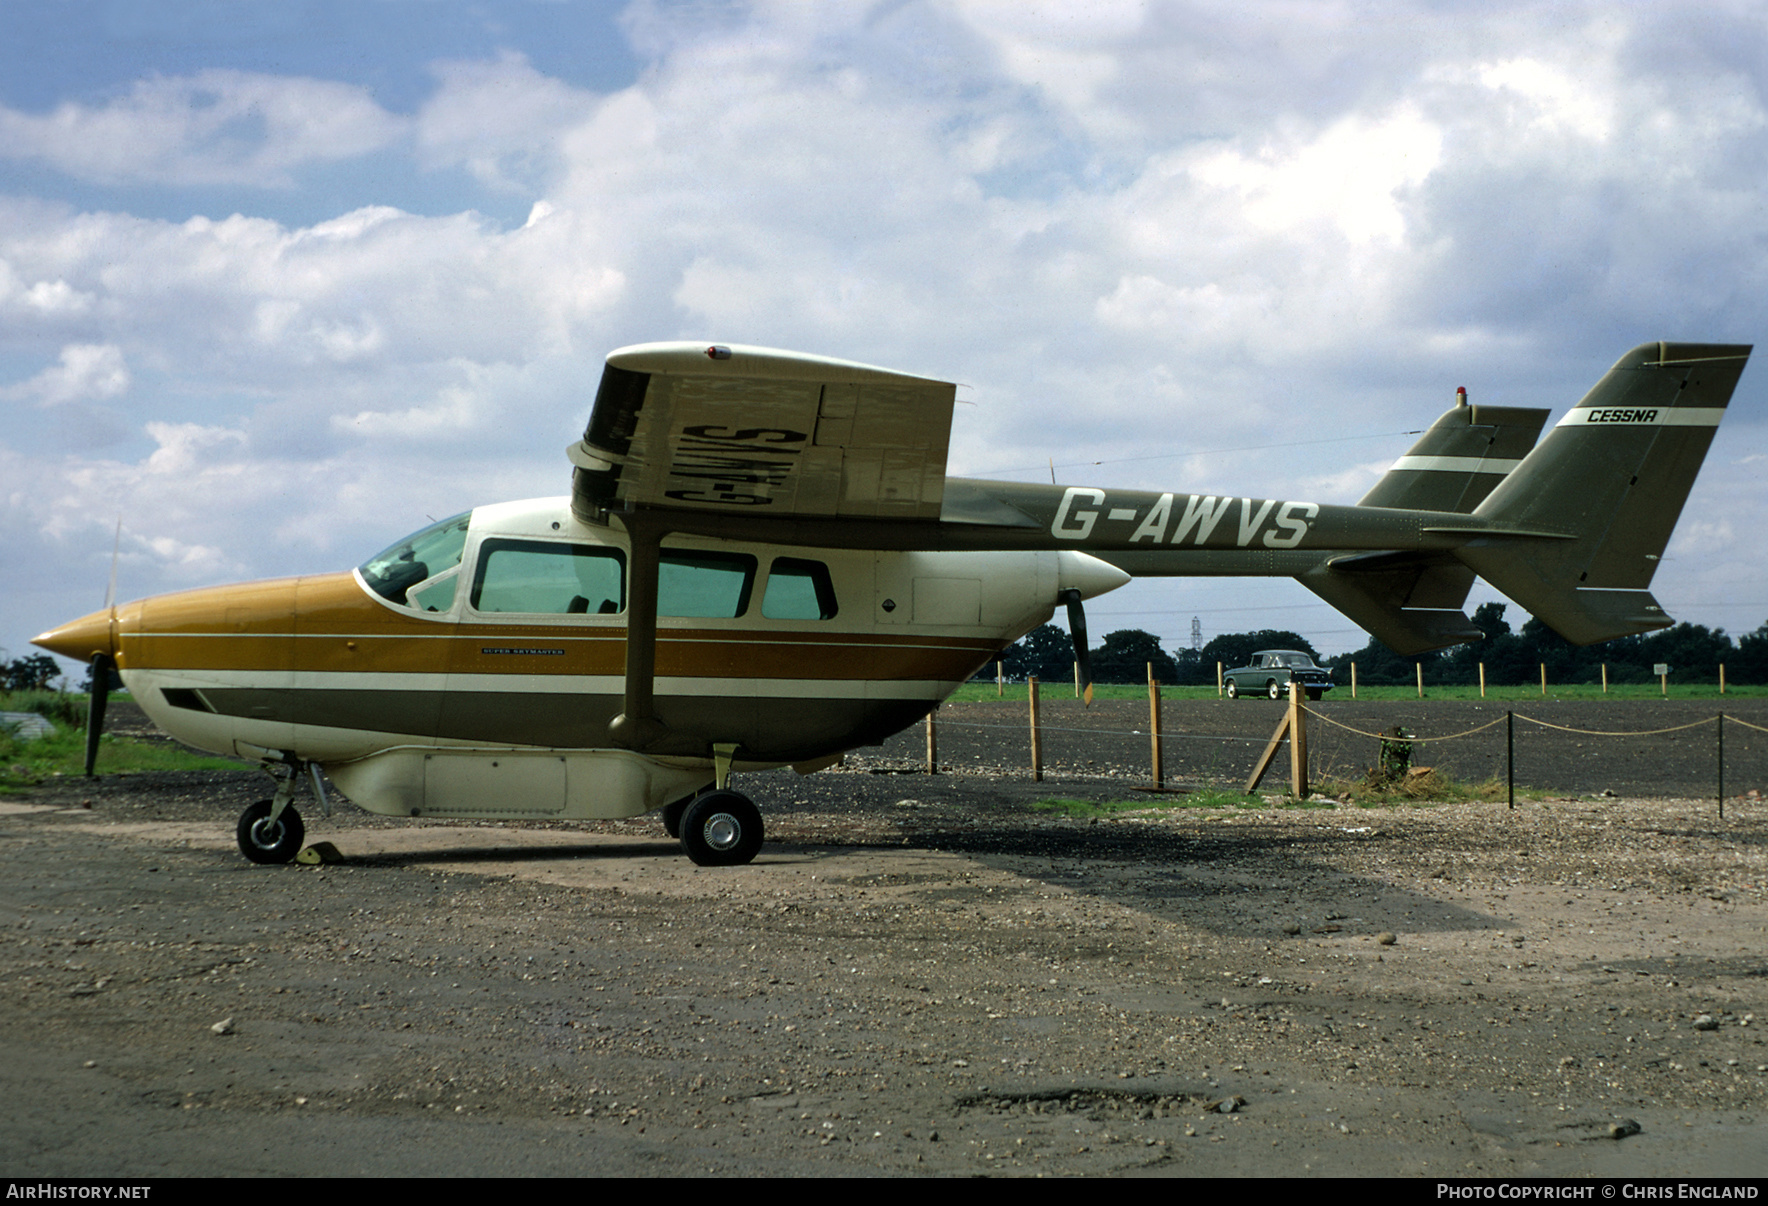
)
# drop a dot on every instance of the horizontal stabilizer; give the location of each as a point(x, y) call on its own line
point(1411, 604)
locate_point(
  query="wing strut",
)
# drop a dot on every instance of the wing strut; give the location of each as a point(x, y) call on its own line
point(637, 726)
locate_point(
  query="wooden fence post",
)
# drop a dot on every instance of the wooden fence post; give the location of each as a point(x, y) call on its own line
point(1353, 680)
point(1482, 680)
point(1419, 666)
point(1510, 757)
point(1000, 680)
point(1298, 740)
point(1037, 736)
point(1154, 727)
point(1543, 678)
point(932, 743)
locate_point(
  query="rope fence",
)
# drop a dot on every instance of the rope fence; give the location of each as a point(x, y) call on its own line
point(1097, 751)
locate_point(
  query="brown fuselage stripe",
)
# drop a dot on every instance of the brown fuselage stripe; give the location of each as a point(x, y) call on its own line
point(328, 625)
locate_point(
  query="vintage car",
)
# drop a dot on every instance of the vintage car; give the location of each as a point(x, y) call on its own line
point(1271, 672)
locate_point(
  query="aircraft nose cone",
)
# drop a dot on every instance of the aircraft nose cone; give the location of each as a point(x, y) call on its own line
point(82, 638)
point(1086, 573)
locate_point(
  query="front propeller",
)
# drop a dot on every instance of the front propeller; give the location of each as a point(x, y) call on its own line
point(1077, 629)
point(104, 668)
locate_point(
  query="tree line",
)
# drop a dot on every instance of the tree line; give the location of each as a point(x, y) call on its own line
point(1692, 651)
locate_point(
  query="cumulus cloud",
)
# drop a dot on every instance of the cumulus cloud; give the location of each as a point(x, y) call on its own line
point(85, 372)
point(502, 120)
point(214, 127)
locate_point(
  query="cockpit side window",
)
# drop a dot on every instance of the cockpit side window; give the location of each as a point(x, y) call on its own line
point(549, 578)
point(420, 557)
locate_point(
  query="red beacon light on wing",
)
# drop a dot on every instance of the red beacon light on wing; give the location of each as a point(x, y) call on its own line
point(716, 352)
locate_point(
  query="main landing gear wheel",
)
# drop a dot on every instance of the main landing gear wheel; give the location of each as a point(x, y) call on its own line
point(721, 829)
point(672, 812)
point(264, 842)
point(1233, 689)
point(1273, 690)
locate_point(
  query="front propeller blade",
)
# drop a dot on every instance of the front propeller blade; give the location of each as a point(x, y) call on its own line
point(103, 666)
point(1077, 629)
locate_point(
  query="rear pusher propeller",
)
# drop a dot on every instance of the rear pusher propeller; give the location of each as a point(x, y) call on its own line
point(1077, 629)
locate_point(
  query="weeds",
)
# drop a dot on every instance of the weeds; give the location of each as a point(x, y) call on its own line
point(68, 711)
point(1421, 785)
point(26, 763)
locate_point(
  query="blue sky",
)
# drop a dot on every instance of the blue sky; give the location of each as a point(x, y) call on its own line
point(278, 281)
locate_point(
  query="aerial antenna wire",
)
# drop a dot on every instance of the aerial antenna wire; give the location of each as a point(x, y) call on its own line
point(1176, 456)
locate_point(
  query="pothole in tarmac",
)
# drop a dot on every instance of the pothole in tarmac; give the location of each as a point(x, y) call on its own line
point(1103, 1103)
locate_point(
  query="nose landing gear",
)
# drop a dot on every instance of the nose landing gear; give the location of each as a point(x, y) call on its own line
point(271, 831)
point(266, 840)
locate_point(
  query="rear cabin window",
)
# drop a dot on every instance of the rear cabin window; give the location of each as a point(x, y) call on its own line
point(798, 590)
point(704, 585)
point(547, 578)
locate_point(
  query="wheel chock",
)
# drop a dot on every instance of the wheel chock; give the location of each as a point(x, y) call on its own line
point(317, 853)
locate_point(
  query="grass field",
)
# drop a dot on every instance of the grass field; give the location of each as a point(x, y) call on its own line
point(1617, 691)
point(24, 763)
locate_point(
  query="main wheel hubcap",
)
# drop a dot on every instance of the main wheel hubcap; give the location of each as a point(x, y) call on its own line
point(722, 831)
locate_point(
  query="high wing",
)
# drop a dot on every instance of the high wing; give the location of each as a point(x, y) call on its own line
point(754, 444)
point(756, 432)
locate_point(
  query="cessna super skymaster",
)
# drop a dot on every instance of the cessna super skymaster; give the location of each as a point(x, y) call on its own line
point(762, 562)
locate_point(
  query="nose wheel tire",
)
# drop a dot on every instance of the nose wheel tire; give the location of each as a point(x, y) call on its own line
point(721, 829)
point(264, 841)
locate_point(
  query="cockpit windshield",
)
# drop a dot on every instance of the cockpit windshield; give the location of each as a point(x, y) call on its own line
point(429, 554)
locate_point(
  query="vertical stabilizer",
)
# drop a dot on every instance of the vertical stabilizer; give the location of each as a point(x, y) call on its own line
point(1459, 460)
point(1613, 475)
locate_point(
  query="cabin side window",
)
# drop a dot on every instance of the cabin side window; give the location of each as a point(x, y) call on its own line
point(798, 589)
point(422, 561)
point(547, 578)
point(704, 585)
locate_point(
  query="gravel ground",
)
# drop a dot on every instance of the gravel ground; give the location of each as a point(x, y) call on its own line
point(919, 975)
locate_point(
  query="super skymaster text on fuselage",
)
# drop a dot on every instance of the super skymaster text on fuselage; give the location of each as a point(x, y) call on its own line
point(762, 562)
